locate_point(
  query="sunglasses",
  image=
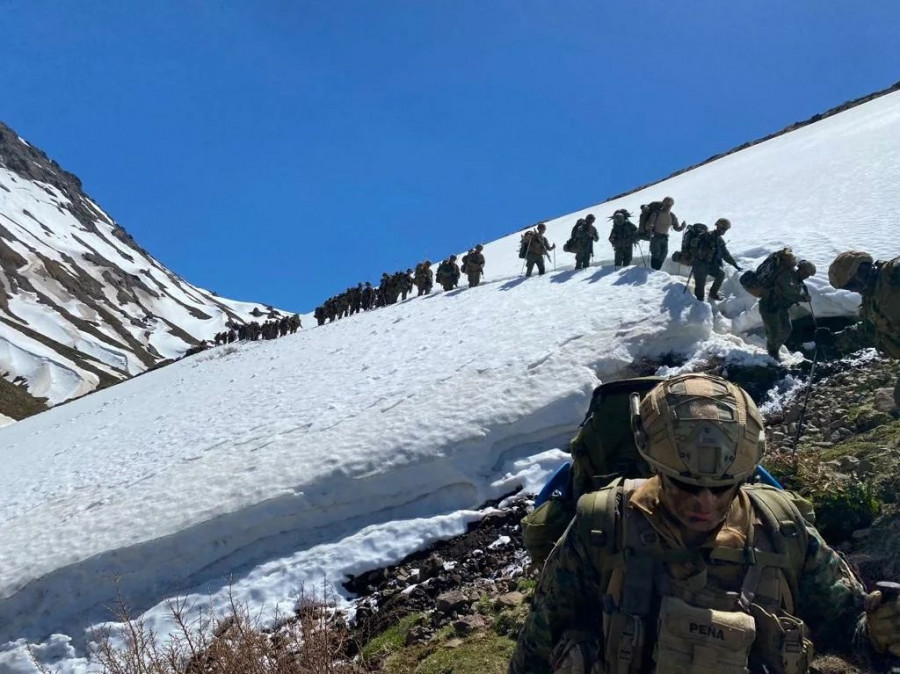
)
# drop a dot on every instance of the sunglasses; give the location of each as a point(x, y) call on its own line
point(694, 489)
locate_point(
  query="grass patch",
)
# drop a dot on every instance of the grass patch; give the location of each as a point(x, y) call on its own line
point(392, 639)
point(867, 445)
point(510, 621)
point(484, 653)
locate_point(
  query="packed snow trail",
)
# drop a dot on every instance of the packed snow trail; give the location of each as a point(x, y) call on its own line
point(347, 446)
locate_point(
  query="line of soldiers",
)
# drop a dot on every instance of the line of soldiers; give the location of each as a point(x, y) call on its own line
point(250, 332)
point(397, 286)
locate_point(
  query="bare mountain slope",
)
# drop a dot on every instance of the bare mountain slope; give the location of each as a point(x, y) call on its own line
point(82, 305)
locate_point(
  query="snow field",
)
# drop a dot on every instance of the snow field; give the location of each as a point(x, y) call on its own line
point(345, 447)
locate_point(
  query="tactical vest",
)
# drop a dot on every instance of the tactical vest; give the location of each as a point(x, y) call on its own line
point(653, 622)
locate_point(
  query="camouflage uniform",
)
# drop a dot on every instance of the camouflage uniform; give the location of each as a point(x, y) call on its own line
point(879, 314)
point(473, 265)
point(623, 237)
point(424, 278)
point(538, 247)
point(711, 251)
point(448, 273)
point(583, 236)
point(570, 599)
point(787, 290)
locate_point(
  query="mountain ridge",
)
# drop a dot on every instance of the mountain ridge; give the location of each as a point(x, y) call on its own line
point(82, 304)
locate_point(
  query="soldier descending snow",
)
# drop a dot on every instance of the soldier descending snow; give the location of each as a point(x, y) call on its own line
point(708, 253)
point(656, 220)
point(692, 570)
point(623, 237)
point(879, 284)
point(582, 242)
point(537, 248)
point(448, 273)
point(473, 265)
point(424, 277)
point(786, 289)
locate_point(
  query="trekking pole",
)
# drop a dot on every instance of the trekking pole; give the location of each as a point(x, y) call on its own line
point(643, 259)
point(688, 282)
point(812, 374)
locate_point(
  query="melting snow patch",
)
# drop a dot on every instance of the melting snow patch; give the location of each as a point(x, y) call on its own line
point(499, 543)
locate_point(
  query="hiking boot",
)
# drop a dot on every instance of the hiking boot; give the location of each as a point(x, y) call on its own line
point(716, 296)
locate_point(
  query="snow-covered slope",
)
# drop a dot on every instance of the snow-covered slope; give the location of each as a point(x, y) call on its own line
point(347, 446)
point(81, 304)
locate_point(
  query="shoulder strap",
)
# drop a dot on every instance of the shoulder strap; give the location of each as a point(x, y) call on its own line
point(787, 527)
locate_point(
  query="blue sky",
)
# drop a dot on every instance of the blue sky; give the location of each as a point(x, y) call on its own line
point(280, 151)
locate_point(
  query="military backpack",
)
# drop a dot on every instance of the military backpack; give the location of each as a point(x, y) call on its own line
point(645, 227)
point(524, 243)
point(688, 239)
point(757, 281)
point(602, 450)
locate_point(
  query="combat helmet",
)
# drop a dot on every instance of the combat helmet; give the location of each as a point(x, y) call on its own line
point(723, 223)
point(806, 268)
point(845, 267)
point(699, 429)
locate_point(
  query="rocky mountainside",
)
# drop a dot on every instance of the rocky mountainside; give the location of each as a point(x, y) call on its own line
point(82, 305)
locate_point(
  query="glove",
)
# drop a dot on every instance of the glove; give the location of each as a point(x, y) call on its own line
point(823, 336)
point(883, 618)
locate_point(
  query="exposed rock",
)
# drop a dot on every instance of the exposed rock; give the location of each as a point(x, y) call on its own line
point(418, 634)
point(511, 599)
point(452, 602)
point(468, 624)
point(884, 400)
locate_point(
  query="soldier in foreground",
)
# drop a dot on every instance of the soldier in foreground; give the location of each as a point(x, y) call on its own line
point(623, 237)
point(709, 253)
point(787, 289)
point(879, 284)
point(692, 570)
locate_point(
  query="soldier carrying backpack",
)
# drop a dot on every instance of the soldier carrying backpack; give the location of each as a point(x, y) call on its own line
point(623, 237)
point(709, 251)
point(448, 273)
point(878, 282)
point(782, 287)
point(582, 241)
point(654, 224)
point(473, 265)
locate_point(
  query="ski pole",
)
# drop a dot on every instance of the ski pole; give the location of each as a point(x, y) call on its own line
point(812, 374)
point(688, 282)
point(643, 259)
